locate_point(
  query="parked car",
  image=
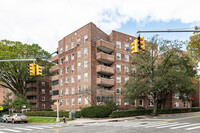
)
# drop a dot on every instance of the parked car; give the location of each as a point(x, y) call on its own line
point(17, 118)
point(3, 118)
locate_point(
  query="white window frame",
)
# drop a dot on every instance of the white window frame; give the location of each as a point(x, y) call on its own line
point(67, 102)
point(66, 58)
point(79, 53)
point(126, 79)
point(43, 98)
point(86, 51)
point(66, 80)
point(118, 56)
point(72, 56)
point(73, 79)
point(126, 69)
point(176, 104)
point(79, 65)
point(176, 95)
point(66, 69)
point(43, 91)
point(61, 92)
point(118, 44)
point(86, 100)
point(142, 102)
point(79, 77)
point(118, 101)
point(134, 102)
point(151, 103)
point(61, 71)
point(86, 76)
point(79, 101)
point(126, 46)
point(85, 38)
point(126, 57)
point(66, 91)
point(85, 63)
point(43, 106)
point(61, 50)
point(79, 89)
point(73, 90)
point(118, 67)
point(118, 79)
point(86, 88)
point(66, 47)
point(72, 45)
point(118, 90)
point(61, 81)
point(73, 101)
point(72, 68)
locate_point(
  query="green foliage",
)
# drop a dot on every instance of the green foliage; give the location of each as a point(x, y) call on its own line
point(48, 109)
point(43, 120)
point(140, 108)
point(19, 102)
point(96, 111)
point(14, 75)
point(111, 103)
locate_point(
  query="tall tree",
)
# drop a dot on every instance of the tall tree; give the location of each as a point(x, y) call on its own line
point(162, 69)
point(193, 46)
point(15, 75)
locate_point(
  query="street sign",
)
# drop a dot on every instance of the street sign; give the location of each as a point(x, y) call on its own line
point(1, 108)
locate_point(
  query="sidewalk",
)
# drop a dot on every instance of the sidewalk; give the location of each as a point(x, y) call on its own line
point(96, 120)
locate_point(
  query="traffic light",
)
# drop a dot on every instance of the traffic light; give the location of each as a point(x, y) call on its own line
point(38, 70)
point(142, 44)
point(32, 69)
point(134, 47)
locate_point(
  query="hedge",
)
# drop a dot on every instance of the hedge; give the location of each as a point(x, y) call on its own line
point(96, 111)
point(51, 113)
point(135, 112)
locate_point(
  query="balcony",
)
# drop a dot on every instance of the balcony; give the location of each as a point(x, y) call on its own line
point(105, 46)
point(55, 97)
point(32, 85)
point(105, 92)
point(105, 82)
point(55, 87)
point(54, 59)
point(105, 70)
point(55, 77)
point(105, 58)
point(54, 68)
point(31, 93)
point(32, 100)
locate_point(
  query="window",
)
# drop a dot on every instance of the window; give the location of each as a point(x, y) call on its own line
point(126, 57)
point(140, 102)
point(43, 91)
point(118, 79)
point(86, 87)
point(79, 77)
point(79, 89)
point(126, 46)
point(176, 104)
point(66, 47)
point(43, 83)
point(72, 68)
point(79, 54)
point(67, 69)
point(79, 65)
point(78, 41)
point(118, 67)
point(73, 102)
point(72, 56)
point(118, 90)
point(66, 58)
point(61, 50)
point(126, 103)
point(126, 79)
point(61, 82)
point(72, 45)
point(61, 71)
point(67, 102)
point(118, 44)
point(85, 38)
point(126, 69)
point(61, 92)
point(66, 80)
point(176, 96)
point(118, 56)
point(66, 91)
point(43, 106)
point(85, 51)
point(73, 79)
point(85, 63)
point(61, 61)
point(43, 98)
point(86, 76)
point(79, 101)
point(61, 102)
point(134, 102)
point(151, 102)
point(73, 90)
point(184, 104)
point(118, 101)
point(86, 100)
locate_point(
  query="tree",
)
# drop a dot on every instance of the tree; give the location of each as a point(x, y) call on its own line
point(193, 46)
point(15, 75)
point(161, 70)
point(7, 99)
point(20, 102)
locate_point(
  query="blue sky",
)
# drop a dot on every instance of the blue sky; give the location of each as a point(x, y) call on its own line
point(45, 22)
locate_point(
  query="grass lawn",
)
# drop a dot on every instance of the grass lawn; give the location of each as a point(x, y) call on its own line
point(43, 120)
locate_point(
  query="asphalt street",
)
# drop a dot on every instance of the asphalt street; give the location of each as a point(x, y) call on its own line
point(177, 123)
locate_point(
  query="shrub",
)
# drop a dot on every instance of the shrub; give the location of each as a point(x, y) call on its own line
point(48, 109)
point(111, 104)
point(78, 114)
point(140, 108)
point(47, 113)
point(96, 111)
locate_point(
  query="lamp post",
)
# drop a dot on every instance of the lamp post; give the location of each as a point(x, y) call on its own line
point(57, 119)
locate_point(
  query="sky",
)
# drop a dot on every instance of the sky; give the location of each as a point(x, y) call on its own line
point(45, 22)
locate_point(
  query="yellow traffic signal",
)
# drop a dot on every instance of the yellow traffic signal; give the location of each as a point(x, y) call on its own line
point(32, 69)
point(142, 44)
point(134, 47)
point(38, 70)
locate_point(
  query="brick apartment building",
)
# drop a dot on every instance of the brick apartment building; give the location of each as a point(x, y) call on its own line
point(89, 59)
point(3, 92)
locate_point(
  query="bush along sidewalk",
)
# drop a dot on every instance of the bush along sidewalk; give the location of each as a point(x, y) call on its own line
point(136, 112)
point(43, 120)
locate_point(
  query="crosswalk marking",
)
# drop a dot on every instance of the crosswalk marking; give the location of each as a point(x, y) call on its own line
point(159, 124)
point(172, 125)
point(193, 128)
point(2, 132)
point(35, 127)
point(185, 126)
point(23, 128)
point(10, 130)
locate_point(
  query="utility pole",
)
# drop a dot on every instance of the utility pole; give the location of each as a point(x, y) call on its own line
point(57, 119)
point(151, 31)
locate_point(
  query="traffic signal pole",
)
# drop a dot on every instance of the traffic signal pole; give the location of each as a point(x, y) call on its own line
point(19, 60)
point(151, 31)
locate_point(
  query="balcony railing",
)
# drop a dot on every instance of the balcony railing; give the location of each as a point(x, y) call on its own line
point(105, 70)
point(105, 58)
point(105, 46)
point(55, 77)
point(55, 97)
point(105, 82)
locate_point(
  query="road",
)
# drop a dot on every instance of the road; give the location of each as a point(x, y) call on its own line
point(178, 123)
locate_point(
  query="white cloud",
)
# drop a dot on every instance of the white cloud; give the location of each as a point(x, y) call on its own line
point(47, 21)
